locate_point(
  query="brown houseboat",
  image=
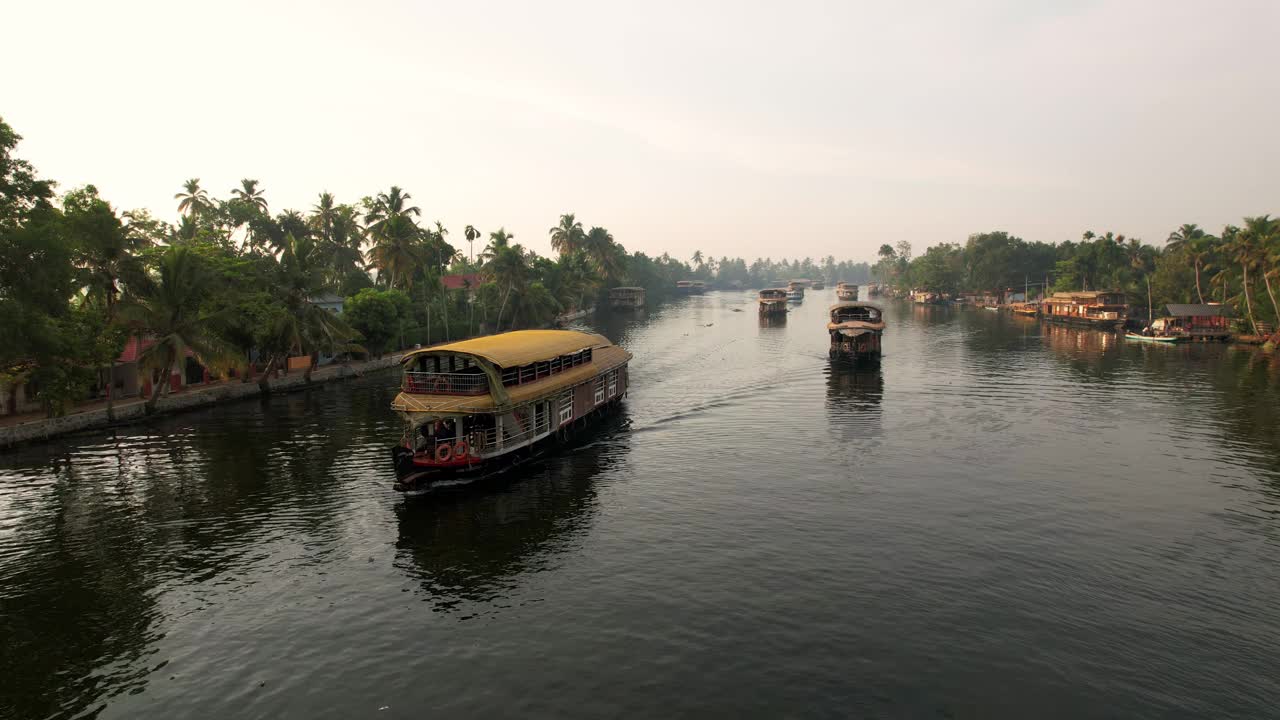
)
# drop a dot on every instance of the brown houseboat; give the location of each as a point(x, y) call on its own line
point(1192, 323)
point(1093, 308)
point(474, 408)
point(846, 291)
point(855, 329)
point(626, 298)
point(772, 301)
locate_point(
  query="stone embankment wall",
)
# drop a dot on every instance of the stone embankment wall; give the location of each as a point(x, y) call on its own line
point(133, 411)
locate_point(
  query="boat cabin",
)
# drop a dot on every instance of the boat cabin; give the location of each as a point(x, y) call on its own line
point(772, 300)
point(1087, 307)
point(1205, 323)
point(626, 298)
point(846, 291)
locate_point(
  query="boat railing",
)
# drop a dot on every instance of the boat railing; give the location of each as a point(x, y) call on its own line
point(495, 439)
point(434, 383)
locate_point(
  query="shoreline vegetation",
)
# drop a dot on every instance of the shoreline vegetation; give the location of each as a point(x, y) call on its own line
point(103, 306)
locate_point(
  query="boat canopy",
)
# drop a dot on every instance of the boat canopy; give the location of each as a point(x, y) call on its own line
point(1196, 310)
point(854, 310)
point(512, 349)
point(773, 293)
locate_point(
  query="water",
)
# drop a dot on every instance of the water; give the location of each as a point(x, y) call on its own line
point(1004, 520)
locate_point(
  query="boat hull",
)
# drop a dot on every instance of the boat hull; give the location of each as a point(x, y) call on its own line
point(1153, 339)
point(1086, 322)
point(415, 479)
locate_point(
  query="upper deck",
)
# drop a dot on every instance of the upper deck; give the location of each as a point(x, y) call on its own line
point(491, 372)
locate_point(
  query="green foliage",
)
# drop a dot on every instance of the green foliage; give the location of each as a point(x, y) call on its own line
point(378, 316)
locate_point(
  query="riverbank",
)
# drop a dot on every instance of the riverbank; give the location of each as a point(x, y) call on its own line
point(21, 429)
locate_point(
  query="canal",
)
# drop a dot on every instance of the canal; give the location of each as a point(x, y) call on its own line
point(1005, 520)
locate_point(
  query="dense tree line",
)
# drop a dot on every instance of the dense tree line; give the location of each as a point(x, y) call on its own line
point(1240, 267)
point(232, 282)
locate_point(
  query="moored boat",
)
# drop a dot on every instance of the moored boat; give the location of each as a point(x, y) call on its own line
point(926, 297)
point(1192, 322)
point(1026, 309)
point(855, 329)
point(846, 291)
point(772, 301)
point(1164, 339)
point(1103, 309)
point(626, 298)
point(476, 407)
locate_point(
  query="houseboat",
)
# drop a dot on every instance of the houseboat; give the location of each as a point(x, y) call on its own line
point(1093, 308)
point(626, 298)
point(689, 287)
point(476, 407)
point(874, 290)
point(795, 291)
point(773, 301)
point(846, 291)
point(926, 297)
point(818, 284)
point(855, 329)
point(1188, 323)
point(699, 287)
point(805, 283)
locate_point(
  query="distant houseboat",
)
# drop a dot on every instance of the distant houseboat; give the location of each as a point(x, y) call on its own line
point(926, 297)
point(846, 291)
point(473, 408)
point(855, 329)
point(795, 291)
point(818, 285)
point(1189, 323)
point(874, 290)
point(1092, 308)
point(805, 283)
point(699, 287)
point(690, 287)
point(1027, 309)
point(626, 298)
point(772, 301)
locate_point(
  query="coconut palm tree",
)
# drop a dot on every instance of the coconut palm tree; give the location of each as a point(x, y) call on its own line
point(697, 258)
point(251, 195)
point(106, 253)
point(1189, 239)
point(387, 205)
point(1241, 251)
point(1260, 235)
point(168, 308)
point(397, 250)
point(471, 234)
point(507, 267)
point(604, 254)
point(307, 327)
point(568, 235)
point(193, 200)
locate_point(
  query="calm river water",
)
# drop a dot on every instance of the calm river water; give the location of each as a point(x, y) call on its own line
point(1005, 520)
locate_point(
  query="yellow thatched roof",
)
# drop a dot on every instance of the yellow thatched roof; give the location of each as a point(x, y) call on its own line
point(603, 360)
point(513, 349)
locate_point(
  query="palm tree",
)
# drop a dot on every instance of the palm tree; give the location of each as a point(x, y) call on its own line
point(387, 205)
point(168, 308)
point(106, 252)
point(193, 200)
point(567, 236)
point(507, 267)
point(471, 234)
point(305, 326)
point(604, 254)
point(323, 215)
point(397, 250)
point(1241, 251)
point(697, 258)
point(251, 195)
point(1190, 239)
point(1260, 235)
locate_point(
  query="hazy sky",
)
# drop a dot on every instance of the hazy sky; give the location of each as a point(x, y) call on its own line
point(754, 129)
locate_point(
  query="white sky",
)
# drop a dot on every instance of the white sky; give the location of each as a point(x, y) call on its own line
point(752, 129)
